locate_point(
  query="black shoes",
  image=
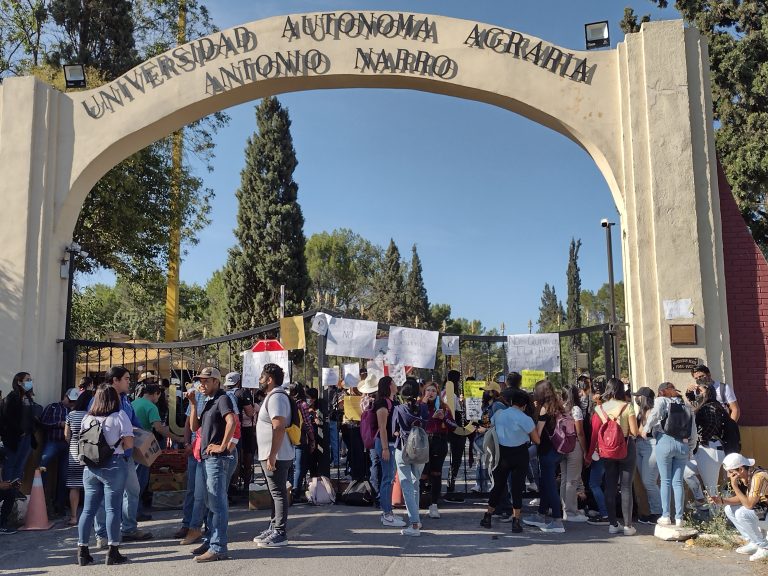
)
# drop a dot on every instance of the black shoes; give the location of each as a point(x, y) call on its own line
point(114, 557)
point(83, 556)
point(486, 521)
point(517, 526)
point(202, 549)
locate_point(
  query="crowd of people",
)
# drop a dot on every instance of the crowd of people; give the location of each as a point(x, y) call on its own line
point(592, 452)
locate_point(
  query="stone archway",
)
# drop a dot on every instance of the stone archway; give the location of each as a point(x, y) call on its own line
point(641, 111)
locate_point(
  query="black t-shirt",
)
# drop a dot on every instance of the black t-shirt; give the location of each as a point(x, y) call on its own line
point(389, 405)
point(244, 398)
point(213, 421)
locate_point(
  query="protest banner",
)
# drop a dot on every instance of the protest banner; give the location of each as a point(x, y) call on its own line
point(292, 333)
point(450, 345)
point(530, 377)
point(412, 347)
point(351, 375)
point(473, 399)
point(533, 352)
point(347, 337)
point(397, 373)
point(254, 362)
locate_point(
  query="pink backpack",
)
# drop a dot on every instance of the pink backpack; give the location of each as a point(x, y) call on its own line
point(564, 437)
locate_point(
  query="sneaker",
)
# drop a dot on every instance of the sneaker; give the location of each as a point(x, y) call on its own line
point(599, 521)
point(274, 540)
point(410, 531)
point(517, 526)
point(535, 520)
point(759, 555)
point(138, 536)
point(664, 521)
point(678, 522)
point(576, 518)
point(614, 529)
point(650, 519)
point(264, 535)
point(534, 503)
point(101, 543)
point(433, 511)
point(555, 526)
point(630, 530)
point(748, 548)
point(392, 521)
point(476, 489)
point(7, 530)
point(485, 522)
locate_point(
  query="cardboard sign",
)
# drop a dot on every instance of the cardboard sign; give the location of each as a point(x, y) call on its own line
point(254, 362)
point(412, 347)
point(533, 352)
point(145, 447)
point(353, 338)
point(352, 410)
point(530, 377)
point(292, 333)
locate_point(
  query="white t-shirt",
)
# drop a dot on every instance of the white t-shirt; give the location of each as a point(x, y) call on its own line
point(727, 389)
point(115, 426)
point(275, 404)
point(577, 413)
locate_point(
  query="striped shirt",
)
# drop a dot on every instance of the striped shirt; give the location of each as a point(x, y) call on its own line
point(758, 485)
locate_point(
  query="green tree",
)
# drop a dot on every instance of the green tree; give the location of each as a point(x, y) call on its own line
point(216, 292)
point(388, 299)
point(271, 244)
point(341, 266)
point(737, 33)
point(573, 276)
point(551, 312)
point(22, 30)
point(416, 299)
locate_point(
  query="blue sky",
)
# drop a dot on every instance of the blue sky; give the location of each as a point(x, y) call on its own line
point(473, 186)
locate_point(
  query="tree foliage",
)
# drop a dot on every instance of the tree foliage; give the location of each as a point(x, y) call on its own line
point(737, 33)
point(388, 298)
point(573, 277)
point(551, 312)
point(416, 299)
point(271, 243)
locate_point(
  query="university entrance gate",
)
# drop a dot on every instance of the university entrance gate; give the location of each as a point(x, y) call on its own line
point(641, 111)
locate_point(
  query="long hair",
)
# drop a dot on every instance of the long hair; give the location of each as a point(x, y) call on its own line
point(571, 396)
point(644, 405)
point(106, 401)
point(384, 388)
point(615, 390)
point(544, 394)
point(16, 383)
point(410, 394)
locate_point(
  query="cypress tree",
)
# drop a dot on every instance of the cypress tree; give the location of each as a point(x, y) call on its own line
point(551, 313)
point(416, 298)
point(388, 302)
point(270, 234)
point(574, 286)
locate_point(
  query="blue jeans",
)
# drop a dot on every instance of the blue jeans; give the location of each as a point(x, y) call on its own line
point(671, 457)
point(333, 433)
point(481, 474)
point(409, 475)
point(142, 475)
point(387, 476)
point(596, 473)
point(649, 472)
point(103, 490)
point(59, 452)
point(130, 504)
point(549, 493)
point(16, 460)
point(194, 499)
point(375, 469)
point(300, 464)
point(217, 470)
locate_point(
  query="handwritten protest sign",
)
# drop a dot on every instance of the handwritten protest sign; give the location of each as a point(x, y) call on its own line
point(412, 347)
point(473, 399)
point(331, 376)
point(355, 338)
point(382, 345)
point(254, 362)
point(351, 375)
point(375, 369)
point(533, 352)
point(397, 373)
point(530, 377)
point(450, 345)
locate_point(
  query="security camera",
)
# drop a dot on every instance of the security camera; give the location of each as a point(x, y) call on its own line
point(604, 222)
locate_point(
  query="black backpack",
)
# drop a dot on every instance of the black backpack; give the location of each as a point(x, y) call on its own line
point(93, 449)
point(678, 421)
point(358, 493)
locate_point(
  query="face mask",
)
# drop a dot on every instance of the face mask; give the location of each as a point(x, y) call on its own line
point(28, 385)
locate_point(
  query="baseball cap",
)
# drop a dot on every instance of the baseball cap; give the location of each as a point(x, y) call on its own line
point(73, 394)
point(501, 379)
point(735, 460)
point(145, 376)
point(644, 391)
point(492, 387)
point(209, 372)
point(667, 386)
point(231, 379)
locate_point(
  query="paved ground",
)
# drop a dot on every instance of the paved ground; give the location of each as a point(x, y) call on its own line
point(347, 541)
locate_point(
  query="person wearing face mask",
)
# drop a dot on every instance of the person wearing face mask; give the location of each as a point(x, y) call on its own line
point(17, 426)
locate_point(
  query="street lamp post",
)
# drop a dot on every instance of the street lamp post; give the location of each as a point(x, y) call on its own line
point(614, 329)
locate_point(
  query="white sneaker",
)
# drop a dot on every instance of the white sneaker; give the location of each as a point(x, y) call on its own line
point(664, 521)
point(678, 522)
point(614, 529)
point(410, 531)
point(535, 502)
point(630, 530)
point(576, 518)
point(476, 488)
point(748, 548)
point(759, 555)
point(535, 520)
point(433, 511)
point(392, 521)
point(555, 526)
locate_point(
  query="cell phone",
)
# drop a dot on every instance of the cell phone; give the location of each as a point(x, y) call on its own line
point(16, 482)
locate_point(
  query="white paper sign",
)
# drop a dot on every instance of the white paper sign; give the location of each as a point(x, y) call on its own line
point(533, 352)
point(397, 373)
point(355, 338)
point(331, 376)
point(474, 411)
point(375, 369)
point(412, 347)
point(450, 345)
point(320, 323)
point(351, 375)
point(253, 365)
point(382, 345)
point(676, 309)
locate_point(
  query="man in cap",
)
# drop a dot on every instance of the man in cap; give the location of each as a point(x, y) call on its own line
point(750, 488)
point(216, 425)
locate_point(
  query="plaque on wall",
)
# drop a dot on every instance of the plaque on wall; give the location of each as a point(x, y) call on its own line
point(682, 334)
point(684, 364)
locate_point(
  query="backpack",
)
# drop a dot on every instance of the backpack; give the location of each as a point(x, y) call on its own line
point(416, 449)
point(358, 493)
point(490, 456)
point(730, 435)
point(321, 491)
point(611, 443)
point(678, 421)
point(93, 449)
point(295, 431)
point(564, 437)
point(369, 426)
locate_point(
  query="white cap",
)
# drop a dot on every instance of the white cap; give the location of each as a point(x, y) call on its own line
point(733, 461)
point(73, 394)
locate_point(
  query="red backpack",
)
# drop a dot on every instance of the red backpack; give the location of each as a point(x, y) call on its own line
point(611, 443)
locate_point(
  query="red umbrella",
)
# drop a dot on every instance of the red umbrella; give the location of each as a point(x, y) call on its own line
point(267, 346)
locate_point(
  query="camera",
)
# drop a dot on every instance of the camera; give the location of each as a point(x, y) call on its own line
point(604, 223)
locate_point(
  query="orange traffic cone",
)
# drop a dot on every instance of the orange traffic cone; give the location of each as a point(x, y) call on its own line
point(37, 514)
point(397, 492)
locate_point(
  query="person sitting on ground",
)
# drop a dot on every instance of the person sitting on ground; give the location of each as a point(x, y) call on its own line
point(750, 488)
point(7, 498)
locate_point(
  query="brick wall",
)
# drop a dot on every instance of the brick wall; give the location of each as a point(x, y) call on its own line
point(746, 285)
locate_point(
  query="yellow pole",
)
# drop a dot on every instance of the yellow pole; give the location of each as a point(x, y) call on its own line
point(174, 252)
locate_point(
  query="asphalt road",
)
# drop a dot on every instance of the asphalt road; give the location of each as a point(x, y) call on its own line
point(347, 541)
